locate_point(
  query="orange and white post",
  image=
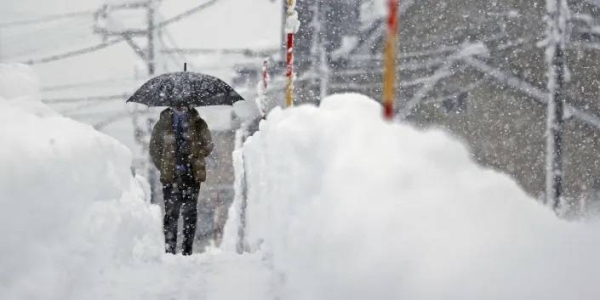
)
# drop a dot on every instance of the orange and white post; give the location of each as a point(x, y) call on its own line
point(292, 24)
point(389, 72)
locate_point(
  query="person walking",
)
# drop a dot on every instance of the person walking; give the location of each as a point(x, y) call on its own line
point(179, 144)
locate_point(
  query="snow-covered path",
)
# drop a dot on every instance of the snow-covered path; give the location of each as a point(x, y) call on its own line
point(210, 276)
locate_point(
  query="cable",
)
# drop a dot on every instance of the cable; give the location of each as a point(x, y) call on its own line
point(117, 40)
point(45, 19)
point(188, 13)
point(94, 83)
point(165, 33)
point(100, 125)
point(45, 39)
point(83, 99)
point(74, 52)
point(246, 52)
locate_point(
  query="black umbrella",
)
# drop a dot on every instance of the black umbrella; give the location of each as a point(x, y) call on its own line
point(192, 88)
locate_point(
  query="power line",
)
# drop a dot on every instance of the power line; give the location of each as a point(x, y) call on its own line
point(115, 118)
point(74, 52)
point(44, 39)
point(46, 19)
point(188, 13)
point(247, 52)
point(119, 39)
point(94, 83)
point(84, 99)
point(165, 33)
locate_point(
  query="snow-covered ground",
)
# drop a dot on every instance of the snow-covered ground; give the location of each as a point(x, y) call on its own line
point(347, 206)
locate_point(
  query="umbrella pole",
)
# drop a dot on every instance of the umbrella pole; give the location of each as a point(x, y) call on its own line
point(291, 27)
point(389, 72)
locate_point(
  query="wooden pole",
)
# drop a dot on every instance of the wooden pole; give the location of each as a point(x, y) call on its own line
point(389, 72)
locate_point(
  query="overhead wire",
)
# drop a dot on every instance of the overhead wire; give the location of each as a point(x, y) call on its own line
point(72, 53)
point(119, 39)
point(99, 99)
point(41, 39)
point(164, 32)
point(45, 19)
point(84, 99)
point(94, 83)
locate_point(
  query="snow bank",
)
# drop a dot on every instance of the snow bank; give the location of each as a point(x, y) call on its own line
point(69, 205)
point(347, 206)
point(18, 81)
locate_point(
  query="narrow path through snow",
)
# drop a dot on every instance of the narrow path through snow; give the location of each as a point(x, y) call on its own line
point(211, 276)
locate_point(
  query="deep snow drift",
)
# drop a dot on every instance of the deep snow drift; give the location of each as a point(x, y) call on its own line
point(69, 201)
point(347, 206)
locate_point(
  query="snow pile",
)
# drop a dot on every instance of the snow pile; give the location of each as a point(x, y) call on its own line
point(70, 206)
point(18, 81)
point(347, 206)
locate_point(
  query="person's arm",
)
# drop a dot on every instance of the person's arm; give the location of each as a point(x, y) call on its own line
point(206, 143)
point(156, 146)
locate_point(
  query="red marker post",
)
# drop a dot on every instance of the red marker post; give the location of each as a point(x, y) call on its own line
point(261, 89)
point(265, 75)
point(389, 72)
point(292, 24)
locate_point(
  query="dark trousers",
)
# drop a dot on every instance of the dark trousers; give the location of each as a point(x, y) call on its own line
point(181, 196)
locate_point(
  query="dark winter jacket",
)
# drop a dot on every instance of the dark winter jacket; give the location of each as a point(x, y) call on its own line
point(163, 145)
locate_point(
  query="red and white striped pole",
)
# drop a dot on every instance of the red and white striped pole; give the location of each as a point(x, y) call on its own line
point(262, 87)
point(265, 76)
point(389, 72)
point(292, 24)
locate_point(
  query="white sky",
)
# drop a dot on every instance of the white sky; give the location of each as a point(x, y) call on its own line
point(227, 24)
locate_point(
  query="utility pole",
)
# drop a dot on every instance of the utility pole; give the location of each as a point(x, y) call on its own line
point(150, 33)
point(143, 123)
point(320, 61)
point(558, 19)
point(150, 121)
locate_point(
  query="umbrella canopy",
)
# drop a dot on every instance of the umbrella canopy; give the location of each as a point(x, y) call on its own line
point(191, 88)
